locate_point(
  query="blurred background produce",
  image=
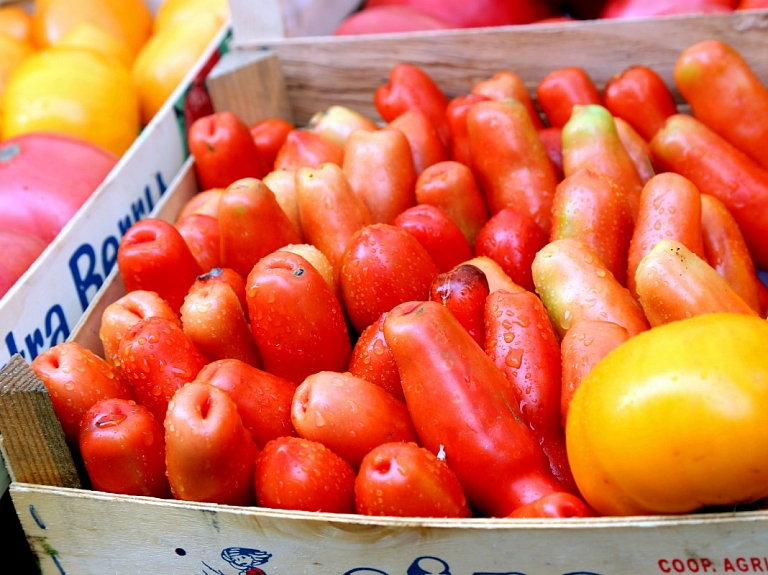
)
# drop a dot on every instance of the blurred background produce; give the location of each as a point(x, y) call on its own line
point(81, 75)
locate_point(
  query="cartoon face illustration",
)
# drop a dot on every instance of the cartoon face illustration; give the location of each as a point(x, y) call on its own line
point(246, 560)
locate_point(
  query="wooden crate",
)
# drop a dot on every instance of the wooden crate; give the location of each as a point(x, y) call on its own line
point(74, 530)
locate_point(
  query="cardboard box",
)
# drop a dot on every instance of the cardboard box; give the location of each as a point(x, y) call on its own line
point(74, 530)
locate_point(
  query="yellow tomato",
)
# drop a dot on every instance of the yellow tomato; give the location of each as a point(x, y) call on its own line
point(171, 12)
point(16, 23)
point(129, 20)
point(91, 37)
point(167, 58)
point(674, 419)
point(12, 53)
point(73, 91)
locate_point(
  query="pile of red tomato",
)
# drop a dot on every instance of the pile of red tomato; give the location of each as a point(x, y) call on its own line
point(390, 319)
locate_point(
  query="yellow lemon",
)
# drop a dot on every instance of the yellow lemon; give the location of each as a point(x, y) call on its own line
point(73, 91)
point(167, 58)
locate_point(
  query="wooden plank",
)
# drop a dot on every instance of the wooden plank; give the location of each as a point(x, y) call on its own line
point(250, 84)
point(33, 442)
point(176, 537)
point(323, 71)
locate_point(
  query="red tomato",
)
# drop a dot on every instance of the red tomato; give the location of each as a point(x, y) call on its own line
point(202, 236)
point(478, 13)
point(382, 267)
point(372, 360)
point(349, 415)
point(20, 250)
point(383, 19)
point(252, 225)
point(269, 135)
point(303, 148)
point(511, 239)
point(224, 151)
point(39, 195)
point(295, 473)
point(210, 455)
point(77, 378)
point(120, 315)
point(406, 480)
point(296, 319)
point(158, 358)
point(437, 233)
point(123, 449)
point(263, 400)
point(148, 250)
point(554, 505)
point(426, 145)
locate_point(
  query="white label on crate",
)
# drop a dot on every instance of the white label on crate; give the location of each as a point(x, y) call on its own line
point(68, 275)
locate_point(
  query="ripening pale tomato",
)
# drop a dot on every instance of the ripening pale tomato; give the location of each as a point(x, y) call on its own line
point(672, 420)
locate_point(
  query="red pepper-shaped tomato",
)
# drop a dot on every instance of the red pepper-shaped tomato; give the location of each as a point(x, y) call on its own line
point(372, 360)
point(453, 390)
point(123, 449)
point(411, 87)
point(456, 116)
point(296, 319)
point(224, 150)
point(210, 455)
point(203, 237)
point(562, 89)
point(147, 253)
point(510, 161)
point(557, 505)
point(269, 136)
point(427, 146)
point(506, 85)
point(303, 148)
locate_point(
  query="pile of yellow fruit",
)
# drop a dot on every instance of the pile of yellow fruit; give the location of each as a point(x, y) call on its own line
point(97, 69)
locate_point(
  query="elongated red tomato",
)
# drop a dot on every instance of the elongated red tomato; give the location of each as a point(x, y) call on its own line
point(372, 360)
point(349, 415)
point(296, 320)
point(464, 290)
point(296, 473)
point(521, 341)
point(123, 449)
point(158, 358)
point(453, 389)
point(210, 455)
point(303, 148)
point(562, 89)
point(407, 480)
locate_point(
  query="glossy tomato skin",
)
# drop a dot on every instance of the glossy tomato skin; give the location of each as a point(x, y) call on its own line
point(296, 319)
point(158, 358)
point(456, 116)
point(201, 233)
point(269, 135)
point(464, 290)
point(563, 88)
point(299, 474)
point(407, 480)
point(148, 250)
point(252, 225)
point(372, 360)
point(349, 415)
point(426, 144)
point(382, 267)
point(224, 150)
point(438, 233)
point(210, 455)
point(121, 314)
point(556, 505)
point(303, 148)
point(263, 400)
point(511, 238)
point(123, 448)
point(453, 389)
point(410, 87)
point(38, 196)
point(76, 378)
